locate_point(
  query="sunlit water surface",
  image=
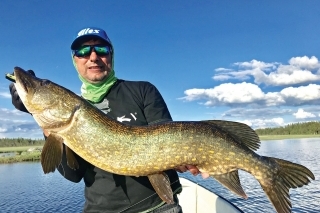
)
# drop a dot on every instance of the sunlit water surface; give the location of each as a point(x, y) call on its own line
point(24, 187)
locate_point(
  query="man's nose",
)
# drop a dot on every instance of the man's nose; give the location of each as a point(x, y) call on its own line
point(93, 55)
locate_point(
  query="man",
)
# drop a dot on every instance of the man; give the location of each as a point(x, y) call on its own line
point(134, 103)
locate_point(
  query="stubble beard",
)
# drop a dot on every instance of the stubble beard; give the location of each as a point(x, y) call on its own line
point(95, 79)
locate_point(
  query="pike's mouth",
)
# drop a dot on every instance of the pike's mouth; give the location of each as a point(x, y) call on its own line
point(11, 77)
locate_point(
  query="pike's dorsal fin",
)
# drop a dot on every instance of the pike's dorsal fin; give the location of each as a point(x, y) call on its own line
point(232, 182)
point(241, 132)
point(161, 185)
point(71, 159)
point(51, 154)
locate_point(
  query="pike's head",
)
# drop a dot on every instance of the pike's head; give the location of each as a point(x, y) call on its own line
point(28, 88)
point(51, 105)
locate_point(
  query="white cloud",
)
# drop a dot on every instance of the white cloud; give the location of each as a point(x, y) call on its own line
point(12, 114)
point(226, 94)
point(299, 70)
point(301, 114)
point(5, 94)
point(32, 133)
point(305, 62)
point(14, 122)
point(246, 94)
point(222, 77)
point(286, 78)
point(255, 101)
point(301, 94)
point(254, 64)
point(223, 69)
point(260, 112)
point(264, 123)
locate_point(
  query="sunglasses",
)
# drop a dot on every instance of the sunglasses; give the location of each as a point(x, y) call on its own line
point(83, 51)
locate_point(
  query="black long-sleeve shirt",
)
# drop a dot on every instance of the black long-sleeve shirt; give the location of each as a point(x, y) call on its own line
point(134, 103)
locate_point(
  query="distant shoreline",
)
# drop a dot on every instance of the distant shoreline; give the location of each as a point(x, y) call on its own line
point(282, 137)
point(22, 154)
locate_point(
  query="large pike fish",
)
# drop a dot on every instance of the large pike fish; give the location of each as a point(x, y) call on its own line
point(219, 148)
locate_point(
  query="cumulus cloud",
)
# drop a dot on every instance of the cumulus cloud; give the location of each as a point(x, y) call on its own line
point(301, 114)
point(226, 94)
point(13, 114)
point(299, 70)
point(261, 112)
point(301, 95)
point(264, 123)
point(263, 94)
point(14, 122)
point(248, 94)
point(305, 62)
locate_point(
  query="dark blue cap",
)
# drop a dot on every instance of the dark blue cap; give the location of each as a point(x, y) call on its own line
point(87, 33)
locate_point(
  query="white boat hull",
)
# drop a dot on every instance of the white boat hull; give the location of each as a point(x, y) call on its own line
point(196, 199)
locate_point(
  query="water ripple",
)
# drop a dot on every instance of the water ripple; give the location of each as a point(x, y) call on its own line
point(27, 189)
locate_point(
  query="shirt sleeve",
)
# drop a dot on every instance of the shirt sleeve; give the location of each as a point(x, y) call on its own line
point(155, 108)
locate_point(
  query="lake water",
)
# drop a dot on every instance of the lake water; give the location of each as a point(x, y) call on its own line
point(24, 187)
point(7, 154)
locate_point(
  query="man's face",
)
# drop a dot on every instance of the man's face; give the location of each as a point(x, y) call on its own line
point(94, 68)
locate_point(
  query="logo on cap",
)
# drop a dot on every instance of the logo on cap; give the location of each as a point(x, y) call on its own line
point(88, 31)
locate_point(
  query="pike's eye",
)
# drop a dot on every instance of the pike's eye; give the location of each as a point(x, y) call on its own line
point(45, 82)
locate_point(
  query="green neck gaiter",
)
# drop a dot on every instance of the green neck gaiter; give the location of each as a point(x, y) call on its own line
point(96, 92)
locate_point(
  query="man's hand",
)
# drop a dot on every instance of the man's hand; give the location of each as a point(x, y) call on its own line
point(16, 101)
point(192, 169)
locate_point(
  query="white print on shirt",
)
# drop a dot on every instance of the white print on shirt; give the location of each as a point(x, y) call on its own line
point(123, 118)
point(134, 117)
point(103, 106)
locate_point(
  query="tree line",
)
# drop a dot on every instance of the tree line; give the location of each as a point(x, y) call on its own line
point(13, 142)
point(304, 128)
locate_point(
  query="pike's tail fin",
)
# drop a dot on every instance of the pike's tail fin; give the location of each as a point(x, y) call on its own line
point(289, 175)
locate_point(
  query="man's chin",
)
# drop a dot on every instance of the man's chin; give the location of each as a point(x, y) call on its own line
point(97, 80)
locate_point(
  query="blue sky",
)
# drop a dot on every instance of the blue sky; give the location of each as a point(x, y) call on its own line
point(255, 62)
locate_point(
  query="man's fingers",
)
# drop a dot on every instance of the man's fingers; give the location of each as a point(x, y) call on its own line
point(181, 169)
point(193, 169)
point(11, 86)
point(205, 175)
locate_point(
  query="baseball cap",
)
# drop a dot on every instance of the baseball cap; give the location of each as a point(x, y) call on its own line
point(90, 32)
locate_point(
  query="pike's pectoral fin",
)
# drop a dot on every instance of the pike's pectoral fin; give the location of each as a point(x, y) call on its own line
point(231, 181)
point(161, 185)
point(51, 154)
point(71, 159)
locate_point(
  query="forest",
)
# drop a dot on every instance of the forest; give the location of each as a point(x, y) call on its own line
point(305, 128)
point(14, 142)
